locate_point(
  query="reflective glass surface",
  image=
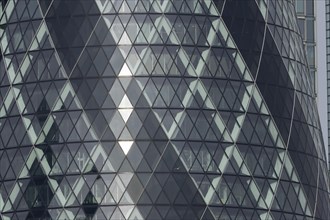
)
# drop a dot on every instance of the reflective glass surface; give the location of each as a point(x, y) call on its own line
point(147, 109)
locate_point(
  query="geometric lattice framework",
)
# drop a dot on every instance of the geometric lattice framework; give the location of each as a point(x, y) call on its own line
point(149, 109)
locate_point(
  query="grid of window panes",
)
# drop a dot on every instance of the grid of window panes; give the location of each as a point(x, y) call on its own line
point(147, 109)
point(306, 21)
point(327, 8)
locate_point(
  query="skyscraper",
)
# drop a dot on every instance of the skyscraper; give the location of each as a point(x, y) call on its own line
point(305, 10)
point(327, 17)
point(143, 109)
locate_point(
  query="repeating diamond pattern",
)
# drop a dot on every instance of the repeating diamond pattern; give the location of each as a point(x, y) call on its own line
point(148, 109)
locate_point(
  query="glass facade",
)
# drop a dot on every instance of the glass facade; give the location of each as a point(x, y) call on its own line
point(306, 16)
point(149, 109)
